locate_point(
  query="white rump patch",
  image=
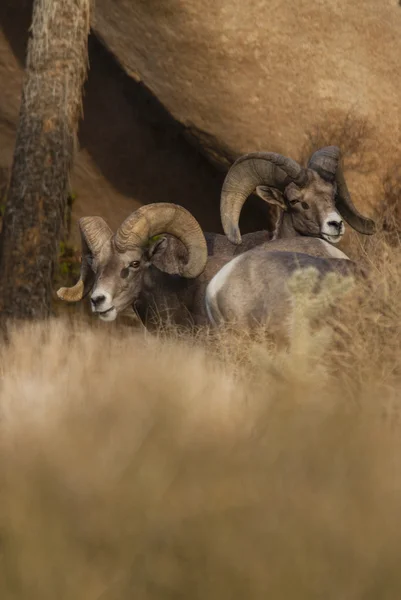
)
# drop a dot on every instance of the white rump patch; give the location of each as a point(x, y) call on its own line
point(216, 284)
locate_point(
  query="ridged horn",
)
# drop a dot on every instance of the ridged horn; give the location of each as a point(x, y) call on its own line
point(248, 172)
point(327, 163)
point(94, 233)
point(163, 217)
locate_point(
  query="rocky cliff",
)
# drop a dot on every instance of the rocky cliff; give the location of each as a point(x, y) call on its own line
point(268, 74)
point(178, 88)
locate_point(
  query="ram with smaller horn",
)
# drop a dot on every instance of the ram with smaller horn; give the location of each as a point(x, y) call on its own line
point(252, 287)
point(313, 201)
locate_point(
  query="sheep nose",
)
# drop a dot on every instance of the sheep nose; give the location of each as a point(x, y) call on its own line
point(96, 300)
point(336, 224)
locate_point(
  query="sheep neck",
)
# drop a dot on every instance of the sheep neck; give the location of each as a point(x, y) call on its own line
point(284, 228)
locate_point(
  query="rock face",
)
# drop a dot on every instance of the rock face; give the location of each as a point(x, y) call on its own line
point(244, 76)
point(230, 77)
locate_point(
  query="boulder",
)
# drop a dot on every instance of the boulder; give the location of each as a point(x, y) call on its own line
point(270, 75)
point(229, 77)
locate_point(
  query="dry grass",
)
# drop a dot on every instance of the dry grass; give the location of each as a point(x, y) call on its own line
point(389, 211)
point(210, 467)
point(349, 132)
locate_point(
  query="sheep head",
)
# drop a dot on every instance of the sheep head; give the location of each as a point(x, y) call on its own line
point(316, 198)
point(114, 266)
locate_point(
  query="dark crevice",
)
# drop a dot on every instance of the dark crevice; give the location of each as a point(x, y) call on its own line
point(15, 21)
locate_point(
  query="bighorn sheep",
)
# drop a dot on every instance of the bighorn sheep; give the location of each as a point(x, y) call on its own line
point(314, 201)
point(133, 269)
point(251, 289)
point(137, 267)
point(157, 261)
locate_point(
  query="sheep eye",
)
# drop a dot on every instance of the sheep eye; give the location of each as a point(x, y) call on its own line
point(135, 264)
point(294, 202)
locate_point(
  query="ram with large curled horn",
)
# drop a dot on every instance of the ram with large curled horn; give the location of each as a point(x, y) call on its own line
point(119, 270)
point(314, 201)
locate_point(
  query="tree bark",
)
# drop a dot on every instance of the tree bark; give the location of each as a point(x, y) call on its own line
point(56, 69)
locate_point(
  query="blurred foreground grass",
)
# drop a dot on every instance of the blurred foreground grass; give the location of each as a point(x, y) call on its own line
point(208, 467)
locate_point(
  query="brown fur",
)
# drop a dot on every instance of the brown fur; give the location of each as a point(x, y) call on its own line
point(254, 291)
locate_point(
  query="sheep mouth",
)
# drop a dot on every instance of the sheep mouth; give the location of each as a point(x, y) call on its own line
point(332, 239)
point(107, 315)
point(104, 312)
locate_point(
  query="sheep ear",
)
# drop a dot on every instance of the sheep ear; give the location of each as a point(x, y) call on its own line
point(156, 245)
point(271, 195)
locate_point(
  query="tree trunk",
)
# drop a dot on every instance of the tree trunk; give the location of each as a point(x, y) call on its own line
point(46, 138)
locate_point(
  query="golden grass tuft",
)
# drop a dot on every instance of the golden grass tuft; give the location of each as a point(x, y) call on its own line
point(214, 466)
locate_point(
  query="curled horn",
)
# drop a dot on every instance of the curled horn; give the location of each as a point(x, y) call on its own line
point(163, 217)
point(94, 233)
point(248, 172)
point(327, 163)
